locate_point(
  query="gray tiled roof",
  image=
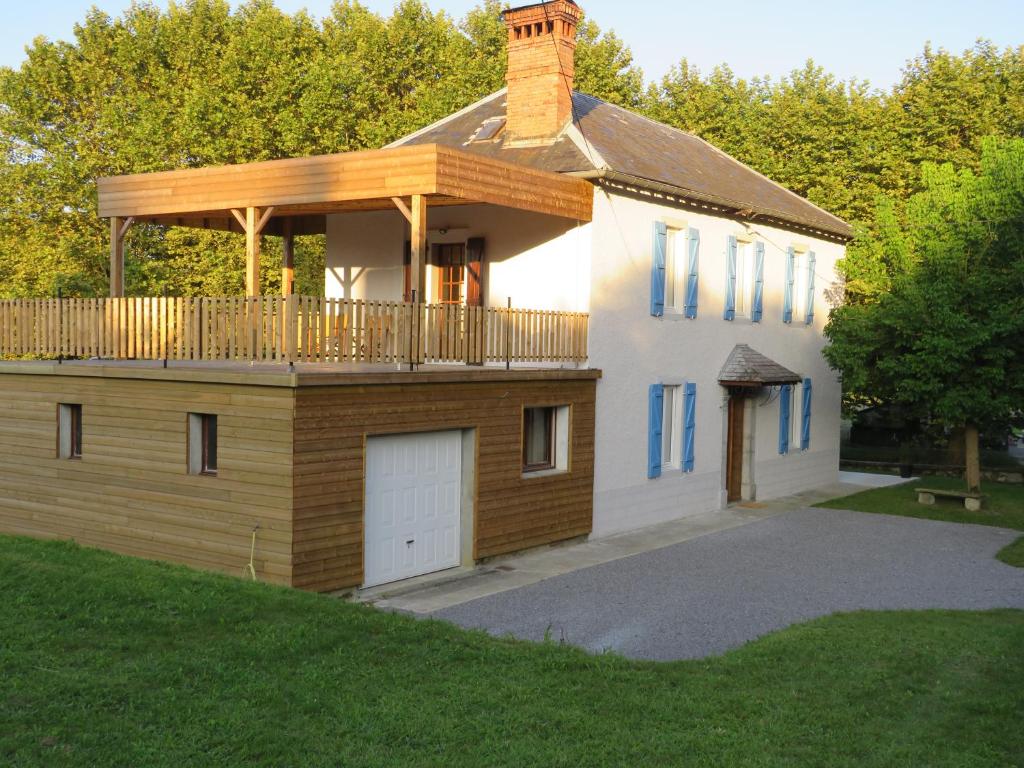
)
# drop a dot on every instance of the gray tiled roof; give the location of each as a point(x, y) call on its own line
point(748, 367)
point(613, 139)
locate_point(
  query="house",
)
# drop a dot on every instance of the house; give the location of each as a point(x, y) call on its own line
point(544, 317)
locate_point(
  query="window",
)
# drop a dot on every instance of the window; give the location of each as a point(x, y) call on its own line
point(680, 278)
point(545, 439)
point(202, 444)
point(489, 130)
point(538, 439)
point(69, 431)
point(800, 277)
point(799, 303)
point(671, 427)
point(670, 416)
point(451, 273)
point(675, 270)
point(744, 277)
point(794, 422)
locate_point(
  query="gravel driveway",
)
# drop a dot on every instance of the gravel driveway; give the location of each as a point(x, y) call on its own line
point(718, 591)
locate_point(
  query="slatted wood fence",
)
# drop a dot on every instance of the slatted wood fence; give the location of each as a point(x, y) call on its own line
point(287, 329)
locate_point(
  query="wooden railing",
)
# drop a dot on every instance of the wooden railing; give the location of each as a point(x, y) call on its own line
point(287, 329)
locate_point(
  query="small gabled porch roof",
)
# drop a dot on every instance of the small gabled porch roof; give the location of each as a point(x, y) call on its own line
point(746, 367)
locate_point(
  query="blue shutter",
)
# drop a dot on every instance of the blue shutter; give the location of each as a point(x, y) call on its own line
point(810, 288)
point(758, 309)
point(658, 251)
point(689, 424)
point(656, 399)
point(730, 281)
point(787, 296)
point(692, 276)
point(784, 402)
point(805, 424)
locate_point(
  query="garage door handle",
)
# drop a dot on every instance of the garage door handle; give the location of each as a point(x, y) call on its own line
point(409, 542)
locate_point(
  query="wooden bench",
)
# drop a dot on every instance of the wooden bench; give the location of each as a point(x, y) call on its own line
point(972, 501)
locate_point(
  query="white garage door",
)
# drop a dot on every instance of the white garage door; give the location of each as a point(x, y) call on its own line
point(413, 495)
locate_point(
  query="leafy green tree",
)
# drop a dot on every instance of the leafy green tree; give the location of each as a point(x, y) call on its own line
point(946, 340)
point(200, 85)
point(948, 103)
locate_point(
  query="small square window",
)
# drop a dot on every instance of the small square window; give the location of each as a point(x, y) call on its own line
point(545, 439)
point(202, 444)
point(69, 431)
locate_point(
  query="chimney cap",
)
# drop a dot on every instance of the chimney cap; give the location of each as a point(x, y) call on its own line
point(567, 7)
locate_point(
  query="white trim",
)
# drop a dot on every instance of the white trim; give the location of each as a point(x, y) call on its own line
point(444, 120)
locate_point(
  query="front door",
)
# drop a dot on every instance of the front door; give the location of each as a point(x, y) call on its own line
point(734, 448)
point(413, 505)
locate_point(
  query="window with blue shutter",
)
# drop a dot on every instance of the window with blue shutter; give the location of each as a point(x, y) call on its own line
point(805, 415)
point(693, 273)
point(658, 251)
point(655, 406)
point(785, 401)
point(730, 280)
point(758, 309)
point(689, 424)
point(811, 259)
point(787, 294)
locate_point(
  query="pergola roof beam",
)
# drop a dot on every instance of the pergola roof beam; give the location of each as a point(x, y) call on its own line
point(354, 180)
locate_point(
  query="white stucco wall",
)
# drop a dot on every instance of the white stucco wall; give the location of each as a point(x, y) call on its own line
point(541, 262)
point(635, 350)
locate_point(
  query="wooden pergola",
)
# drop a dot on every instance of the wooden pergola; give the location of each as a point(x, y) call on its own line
point(293, 196)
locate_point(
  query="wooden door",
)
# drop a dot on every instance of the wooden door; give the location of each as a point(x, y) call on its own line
point(734, 448)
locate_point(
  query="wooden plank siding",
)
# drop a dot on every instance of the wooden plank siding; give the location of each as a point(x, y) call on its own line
point(512, 512)
point(291, 459)
point(330, 183)
point(131, 491)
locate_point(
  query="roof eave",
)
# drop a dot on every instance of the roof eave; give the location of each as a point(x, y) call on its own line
point(734, 208)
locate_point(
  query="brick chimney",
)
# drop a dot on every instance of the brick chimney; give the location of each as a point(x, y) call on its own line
point(541, 50)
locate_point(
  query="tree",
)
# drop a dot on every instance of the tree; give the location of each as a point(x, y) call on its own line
point(200, 84)
point(945, 338)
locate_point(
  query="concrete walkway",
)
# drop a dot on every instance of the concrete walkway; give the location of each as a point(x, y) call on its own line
point(872, 480)
point(449, 588)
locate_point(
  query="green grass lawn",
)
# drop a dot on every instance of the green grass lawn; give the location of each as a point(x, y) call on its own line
point(107, 660)
point(1004, 503)
point(1013, 554)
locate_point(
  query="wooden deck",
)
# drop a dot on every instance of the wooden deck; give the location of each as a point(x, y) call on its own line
point(288, 329)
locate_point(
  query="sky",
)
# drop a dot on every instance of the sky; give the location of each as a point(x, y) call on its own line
point(866, 40)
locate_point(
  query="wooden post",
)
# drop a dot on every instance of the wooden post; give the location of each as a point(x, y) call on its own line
point(419, 246)
point(118, 229)
point(252, 252)
point(972, 458)
point(288, 258)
